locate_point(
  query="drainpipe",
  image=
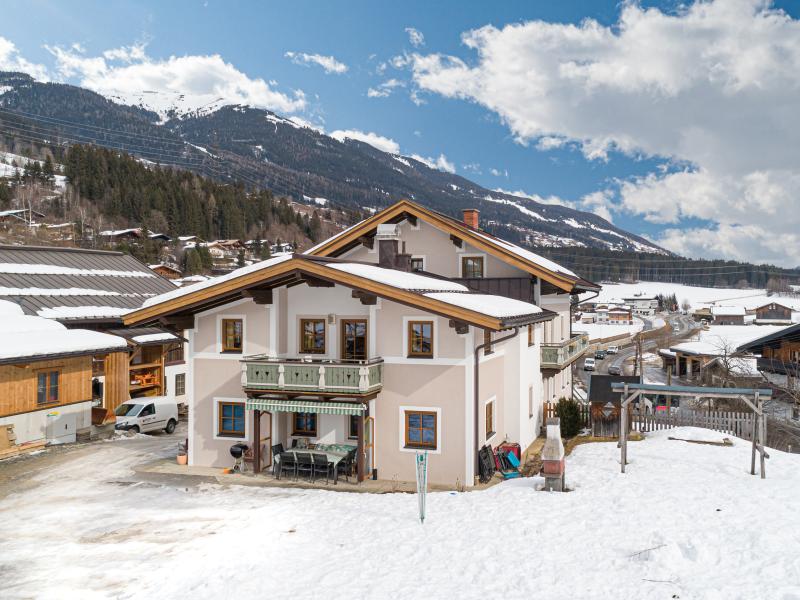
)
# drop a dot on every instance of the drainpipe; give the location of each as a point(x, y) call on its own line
point(477, 390)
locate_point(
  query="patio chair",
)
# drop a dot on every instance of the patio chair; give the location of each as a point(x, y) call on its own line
point(321, 465)
point(277, 450)
point(287, 462)
point(346, 465)
point(305, 464)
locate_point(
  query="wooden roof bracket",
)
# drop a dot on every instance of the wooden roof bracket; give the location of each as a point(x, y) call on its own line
point(459, 326)
point(457, 241)
point(177, 322)
point(259, 296)
point(366, 298)
point(367, 241)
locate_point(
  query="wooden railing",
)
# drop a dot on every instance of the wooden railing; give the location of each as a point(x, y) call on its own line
point(559, 355)
point(303, 375)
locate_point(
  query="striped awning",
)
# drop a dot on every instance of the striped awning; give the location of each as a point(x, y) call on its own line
point(306, 406)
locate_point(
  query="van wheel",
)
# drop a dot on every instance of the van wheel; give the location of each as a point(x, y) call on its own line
point(171, 426)
point(134, 429)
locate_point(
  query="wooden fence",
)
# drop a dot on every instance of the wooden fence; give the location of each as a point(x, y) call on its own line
point(739, 424)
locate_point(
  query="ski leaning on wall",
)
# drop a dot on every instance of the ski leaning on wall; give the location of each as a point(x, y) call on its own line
point(422, 482)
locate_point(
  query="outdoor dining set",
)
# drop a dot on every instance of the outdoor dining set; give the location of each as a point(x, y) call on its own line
point(329, 460)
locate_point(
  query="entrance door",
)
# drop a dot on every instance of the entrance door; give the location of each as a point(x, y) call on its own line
point(354, 339)
point(369, 444)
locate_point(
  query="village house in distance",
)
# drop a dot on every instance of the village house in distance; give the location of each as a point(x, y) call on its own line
point(408, 331)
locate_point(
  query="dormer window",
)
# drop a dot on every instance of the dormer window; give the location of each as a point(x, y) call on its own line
point(472, 267)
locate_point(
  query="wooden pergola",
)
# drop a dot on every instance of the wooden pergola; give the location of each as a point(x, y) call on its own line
point(753, 397)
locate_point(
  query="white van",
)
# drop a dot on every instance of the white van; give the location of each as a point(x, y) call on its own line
point(149, 413)
point(588, 364)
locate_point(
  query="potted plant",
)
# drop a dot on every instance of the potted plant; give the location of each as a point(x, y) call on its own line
point(183, 455)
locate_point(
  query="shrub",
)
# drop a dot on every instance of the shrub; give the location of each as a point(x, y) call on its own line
point(569, 411)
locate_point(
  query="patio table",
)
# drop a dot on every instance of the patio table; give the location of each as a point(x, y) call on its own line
point(334, 458)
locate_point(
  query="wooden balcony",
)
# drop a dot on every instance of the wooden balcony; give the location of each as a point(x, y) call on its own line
point(316, 377)
point(558, 356)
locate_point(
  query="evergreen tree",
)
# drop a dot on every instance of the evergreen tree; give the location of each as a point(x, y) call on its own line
point(192, 263)
point(48, 172)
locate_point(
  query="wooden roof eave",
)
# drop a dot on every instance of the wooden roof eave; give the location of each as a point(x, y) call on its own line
point(230, 290)
point(350, 238)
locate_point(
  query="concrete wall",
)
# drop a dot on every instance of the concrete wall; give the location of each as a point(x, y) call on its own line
point(32, 426)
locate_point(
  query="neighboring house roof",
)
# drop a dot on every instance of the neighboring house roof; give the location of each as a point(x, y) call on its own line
point(728, 311)
point(147, 336)
point(772, 306)
point(506, 251)
point(720, 340)
point(789, 334)
point(600, 387)
point(72, 283)
point(27, 338)
point(432, 294)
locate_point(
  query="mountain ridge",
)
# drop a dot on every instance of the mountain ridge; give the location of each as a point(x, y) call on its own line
point(264, 149)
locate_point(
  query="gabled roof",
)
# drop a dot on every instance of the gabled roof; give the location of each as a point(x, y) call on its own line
point(56, 282)
point(433, 294)
point(789, 334)
point(506, 251)
point(728, 311)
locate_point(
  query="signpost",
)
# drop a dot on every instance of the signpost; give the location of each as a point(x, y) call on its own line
point(422, 482)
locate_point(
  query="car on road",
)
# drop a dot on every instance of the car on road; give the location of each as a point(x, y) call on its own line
point(615, 370)
point(588, 364)
point(612, 349)
point(149, 413)
point(599, 354)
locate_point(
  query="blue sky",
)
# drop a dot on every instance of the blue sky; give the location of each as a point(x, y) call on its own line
point(639, 168)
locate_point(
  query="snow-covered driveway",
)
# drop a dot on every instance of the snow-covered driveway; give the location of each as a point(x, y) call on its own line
point(686, 521)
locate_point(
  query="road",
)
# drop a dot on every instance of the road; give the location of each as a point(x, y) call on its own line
point(653, 372)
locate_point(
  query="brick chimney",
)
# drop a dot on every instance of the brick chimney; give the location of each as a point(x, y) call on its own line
point(471, 217)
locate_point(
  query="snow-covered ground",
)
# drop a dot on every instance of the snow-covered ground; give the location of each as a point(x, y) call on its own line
point(686, 521)
point(601, 331)
point(698, 297)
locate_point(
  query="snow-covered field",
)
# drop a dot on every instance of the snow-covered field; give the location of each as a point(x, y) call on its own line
point(686, 521)
point(698, 297)
point(601, 331)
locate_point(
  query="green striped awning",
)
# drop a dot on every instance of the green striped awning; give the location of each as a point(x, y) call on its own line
point(306, 406)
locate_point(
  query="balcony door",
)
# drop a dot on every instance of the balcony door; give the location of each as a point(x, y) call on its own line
point(354, 339)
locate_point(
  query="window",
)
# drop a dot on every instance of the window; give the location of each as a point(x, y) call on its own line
point(487, 339)
point(305, 424)
point(489, 419)
point(148, 411)
point(232, 330)
point(174, 354)
point(420, 339)
point(472, 266)
point(420, 429)
point(417, 264)
point(231, 419)
point(180, 384)
point(531, 337)
point(354, 339)
point(353, 433)
point(312, 336)
point(47, 387)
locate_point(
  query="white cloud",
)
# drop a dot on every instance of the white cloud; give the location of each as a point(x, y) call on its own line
point(385, 89)
point(184, 83)
point(441, 163)
point(499, 173)
point(415, 37)
point(472, 167)
point(12, 60)
point(373, 139)
point(714, 85)
point(328, 63)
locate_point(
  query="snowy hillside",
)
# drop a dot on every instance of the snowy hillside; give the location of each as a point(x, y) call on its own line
point(698, 297)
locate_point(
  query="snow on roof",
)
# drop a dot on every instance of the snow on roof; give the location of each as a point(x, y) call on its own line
point(45, 269)
point(724, 339)
point(333, 237)
point(182, 291)
point(728, 311)
point(82, 312)
point(113, 232)
point(154, 337)
point(527, 255)
point(36, 291)
point(399, 279)
point(487, 304)
point(740, 366)
point(26, 336)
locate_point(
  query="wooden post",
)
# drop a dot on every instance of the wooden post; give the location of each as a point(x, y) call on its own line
point(257, 441)
point(117, 380)
point(623, 427)
point(360, 450)
point(755, 437)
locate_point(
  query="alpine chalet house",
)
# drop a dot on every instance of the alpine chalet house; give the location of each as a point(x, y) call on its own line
point(92, 289)
point(409, 331)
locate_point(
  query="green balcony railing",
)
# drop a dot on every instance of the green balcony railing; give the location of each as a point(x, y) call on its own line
point(312, 376)
point(558, 356)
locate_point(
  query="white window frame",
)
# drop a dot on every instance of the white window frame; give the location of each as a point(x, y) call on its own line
point(423, 258)
point(175, 383)
point(215, 424)
point(493, 401)
point(402, 428)
point(233, 355)
point(406, 341)
point(461, 256)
